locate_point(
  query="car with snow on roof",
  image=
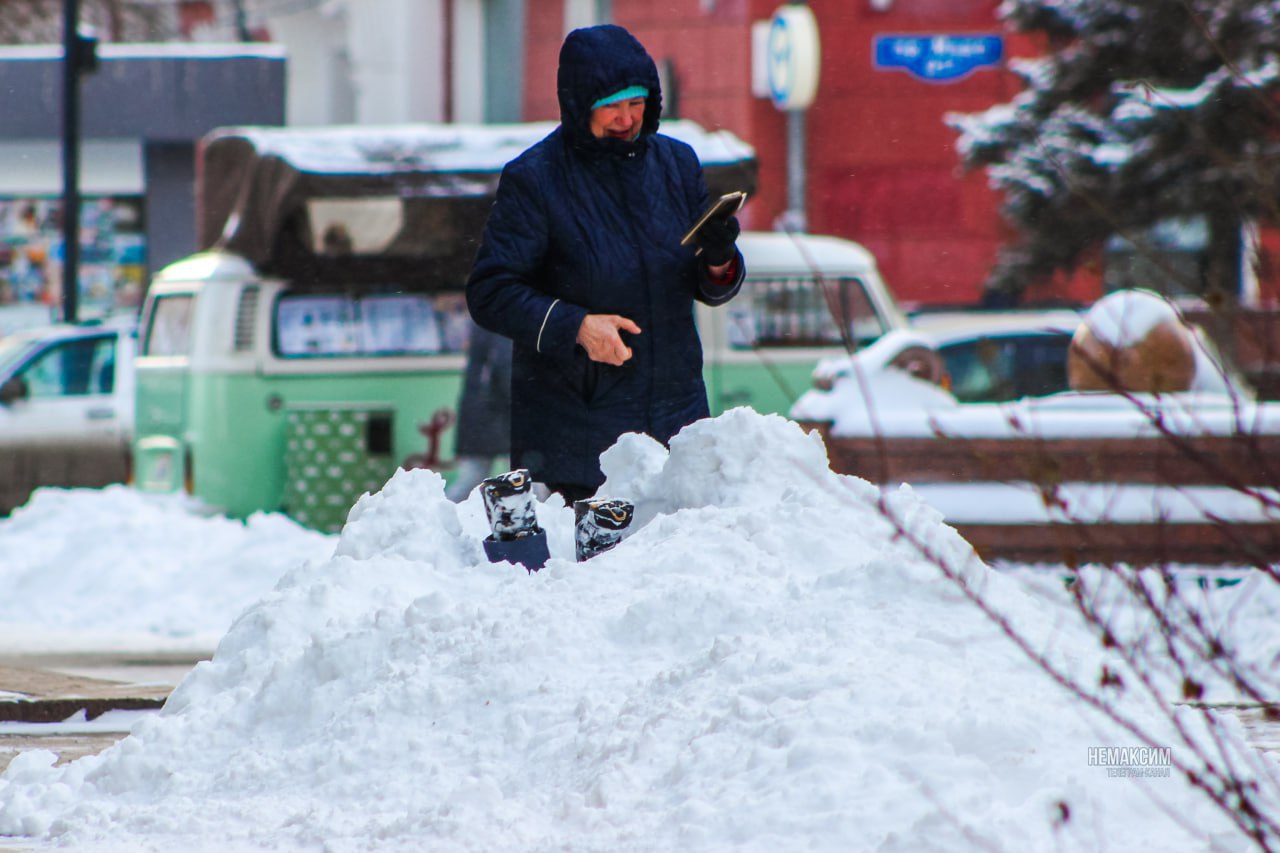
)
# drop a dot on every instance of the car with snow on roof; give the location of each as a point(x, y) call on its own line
point(1001, 356)
point(1125, 473)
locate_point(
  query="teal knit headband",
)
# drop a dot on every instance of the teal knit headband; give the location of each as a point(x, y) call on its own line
point(623, 95)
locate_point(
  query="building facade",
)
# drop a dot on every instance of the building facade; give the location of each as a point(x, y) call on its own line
point(143, 111)
point(873, 153)
point(879, 159)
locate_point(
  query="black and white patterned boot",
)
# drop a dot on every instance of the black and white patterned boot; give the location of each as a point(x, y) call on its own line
point(512, 511)
point(599, 525)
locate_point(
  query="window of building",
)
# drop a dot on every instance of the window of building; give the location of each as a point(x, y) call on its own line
point(1169, 258)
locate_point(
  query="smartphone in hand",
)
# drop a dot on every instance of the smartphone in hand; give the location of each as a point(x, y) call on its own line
point(722, 208)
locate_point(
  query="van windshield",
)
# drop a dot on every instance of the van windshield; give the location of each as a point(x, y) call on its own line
point(329, 325)
point(803, 312)
point(168, 331)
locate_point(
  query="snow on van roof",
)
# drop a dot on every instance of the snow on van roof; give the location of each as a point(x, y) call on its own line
point(778, 253)
point(442, 147)
point(205, 266)
point(258, 189)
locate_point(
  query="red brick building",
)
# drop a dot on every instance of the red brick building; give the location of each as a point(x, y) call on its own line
point(882, 167)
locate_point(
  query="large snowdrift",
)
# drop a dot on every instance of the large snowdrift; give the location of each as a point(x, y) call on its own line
point(765, 664)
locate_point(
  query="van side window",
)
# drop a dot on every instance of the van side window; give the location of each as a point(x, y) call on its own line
point(802, 312)
point(169, 327)
point(314, 325)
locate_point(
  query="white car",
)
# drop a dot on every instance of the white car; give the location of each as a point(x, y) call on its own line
point(1005, 375)
point(66, 407)
point(997, 357)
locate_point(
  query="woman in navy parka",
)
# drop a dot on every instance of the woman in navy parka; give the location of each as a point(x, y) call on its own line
point(581, 266)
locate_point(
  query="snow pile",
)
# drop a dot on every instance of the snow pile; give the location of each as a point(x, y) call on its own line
point(762, 665)
point(117, 568)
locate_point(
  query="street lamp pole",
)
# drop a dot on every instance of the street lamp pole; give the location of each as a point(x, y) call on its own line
point(70, 159)
point(796, 217)
point(79, 56)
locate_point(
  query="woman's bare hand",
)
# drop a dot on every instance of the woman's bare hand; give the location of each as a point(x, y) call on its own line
point(599, 336)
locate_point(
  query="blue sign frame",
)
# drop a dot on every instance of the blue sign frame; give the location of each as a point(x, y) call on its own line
point(938, 58)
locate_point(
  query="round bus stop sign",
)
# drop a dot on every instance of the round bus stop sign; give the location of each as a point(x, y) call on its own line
point(794, 56)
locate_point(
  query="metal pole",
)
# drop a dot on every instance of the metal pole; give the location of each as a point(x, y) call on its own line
point(70, 160)
point(797, 216)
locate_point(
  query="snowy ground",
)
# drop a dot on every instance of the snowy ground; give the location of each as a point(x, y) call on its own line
point(765, 664)
point(85, 569)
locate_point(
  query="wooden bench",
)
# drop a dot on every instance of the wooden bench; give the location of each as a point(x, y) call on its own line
point(1243, 465)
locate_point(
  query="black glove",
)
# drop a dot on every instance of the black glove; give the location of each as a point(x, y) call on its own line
point(716, 238)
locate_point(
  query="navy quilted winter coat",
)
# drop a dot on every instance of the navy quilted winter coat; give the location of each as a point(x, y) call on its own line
point(583, 225)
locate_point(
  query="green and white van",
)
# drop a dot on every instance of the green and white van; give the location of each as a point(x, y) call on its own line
point(255, 394)
point(319, 343)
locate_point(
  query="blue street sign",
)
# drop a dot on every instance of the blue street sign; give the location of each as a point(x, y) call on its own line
point(780, 61)
point(793, 57)
point(937, 58)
